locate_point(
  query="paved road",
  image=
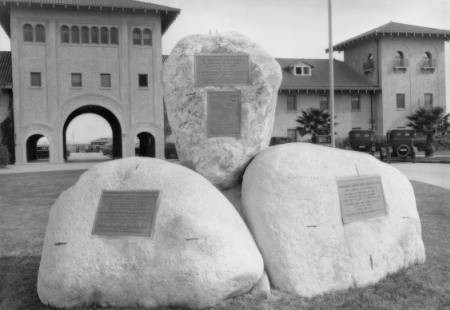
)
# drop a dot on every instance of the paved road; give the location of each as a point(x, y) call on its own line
point(435, 174)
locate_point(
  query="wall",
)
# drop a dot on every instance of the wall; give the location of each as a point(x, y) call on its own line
point(413, 82)
point(44, 110)
point(356, 55)
point(346, 118)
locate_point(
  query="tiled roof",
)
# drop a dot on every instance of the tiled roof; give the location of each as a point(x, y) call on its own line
point(345, 77)
point(5, 70)
point(396, 29)
point(168, 14)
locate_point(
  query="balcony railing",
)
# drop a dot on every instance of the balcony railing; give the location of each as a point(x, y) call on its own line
point(428, 64)
point(400, 63)
point(368, 66)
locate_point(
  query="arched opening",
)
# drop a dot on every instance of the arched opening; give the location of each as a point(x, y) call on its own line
point(109, 146)
point(400, 55)
point(145, 144)
point(37, 148)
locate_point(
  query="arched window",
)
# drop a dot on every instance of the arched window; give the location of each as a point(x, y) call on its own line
point(147, 36)
point(75, 34)
point(137, 36)
point(428, 56)
point(370, 58)
point(40, 33)
point(27, 33)
point(94, 35)
point(64, 34)
point(104, 35)
point(400, 55)
point(114, 35)
point(84, 35)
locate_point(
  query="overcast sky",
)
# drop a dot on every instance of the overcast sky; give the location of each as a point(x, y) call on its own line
point(287, 28)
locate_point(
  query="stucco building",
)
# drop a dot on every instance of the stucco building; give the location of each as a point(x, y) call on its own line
point(387, 73)
point(73, 57)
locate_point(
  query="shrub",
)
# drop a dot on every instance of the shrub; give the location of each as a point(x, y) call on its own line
point(4, 156)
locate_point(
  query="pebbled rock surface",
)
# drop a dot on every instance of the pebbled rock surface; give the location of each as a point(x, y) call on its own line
point(201, 251)
point(291, 204)
point(221, 160)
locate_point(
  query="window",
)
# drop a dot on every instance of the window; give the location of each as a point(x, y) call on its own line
point(76, 80)
point(356, 103)
point(85, 35)
point(105, 80)
point(137, 36)
point(292, 134)
point(28, 33)
point(428, 100)
point(40, 33)
point(104, 33)
point(94, 35)
point(302, 70)
point(323, 103)
point(147, 36)
point(75, 34)
point(114, 35)
point(401, 102)
point(291, 103)
point(64, 34)
point(143, 80)
point(35, 79)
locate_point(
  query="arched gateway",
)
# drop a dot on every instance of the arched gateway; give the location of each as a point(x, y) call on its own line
point(108, 116)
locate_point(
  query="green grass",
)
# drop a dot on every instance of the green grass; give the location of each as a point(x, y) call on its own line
point(25, 200)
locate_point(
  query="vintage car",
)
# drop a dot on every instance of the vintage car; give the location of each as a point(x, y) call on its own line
point(400, 145)
point(362, 140)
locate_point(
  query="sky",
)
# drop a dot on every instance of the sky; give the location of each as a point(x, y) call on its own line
point(284, 28)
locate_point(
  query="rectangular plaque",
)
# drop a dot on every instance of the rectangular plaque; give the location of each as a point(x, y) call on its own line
point(361, 198)
point(222, 70)
point(223, 113)
point(126, 213)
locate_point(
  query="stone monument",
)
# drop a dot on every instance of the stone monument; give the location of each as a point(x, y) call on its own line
point(327, 219)
point(145, 232)
point(220, 92)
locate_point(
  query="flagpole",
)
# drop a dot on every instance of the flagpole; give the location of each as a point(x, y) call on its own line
point(331, 78)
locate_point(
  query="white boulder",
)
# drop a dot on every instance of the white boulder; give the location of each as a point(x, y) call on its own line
point(291, 204)
point(200, 253)
point(222, 160)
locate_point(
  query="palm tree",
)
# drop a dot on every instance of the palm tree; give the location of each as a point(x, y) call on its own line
point(314, 122)
point(429, 121)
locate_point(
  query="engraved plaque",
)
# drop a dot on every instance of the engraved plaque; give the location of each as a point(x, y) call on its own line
point(361, 198)
point(222, 70)
point(126, 213)
point(223, 113)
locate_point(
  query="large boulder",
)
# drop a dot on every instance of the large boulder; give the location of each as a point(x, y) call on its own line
point(200, 253)
point(291, 204)
point(222, 160)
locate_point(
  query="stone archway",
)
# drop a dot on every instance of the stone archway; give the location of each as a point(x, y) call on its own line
point(108, 116)
point(35, 151)
point(146, 146)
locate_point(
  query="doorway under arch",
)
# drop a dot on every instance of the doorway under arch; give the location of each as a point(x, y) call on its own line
point(145, 144)
point(37, 148)
point(108, 116)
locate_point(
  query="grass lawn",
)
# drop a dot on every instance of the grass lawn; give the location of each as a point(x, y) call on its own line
point(25, 200)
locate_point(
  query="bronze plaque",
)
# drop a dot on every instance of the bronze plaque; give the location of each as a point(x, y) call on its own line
point(126, 213)
point(361, 198)
point(222, 70)
point(223, 113)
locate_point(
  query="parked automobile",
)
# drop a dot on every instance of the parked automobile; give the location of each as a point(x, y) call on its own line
point(362, 140)
point(42, 152)
point(280, 140)
point(107, 149)
point(400, 145)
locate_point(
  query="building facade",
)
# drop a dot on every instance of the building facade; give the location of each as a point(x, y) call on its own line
point(393, 70)
point(70, 58)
